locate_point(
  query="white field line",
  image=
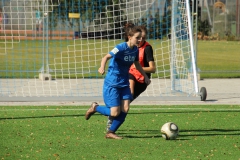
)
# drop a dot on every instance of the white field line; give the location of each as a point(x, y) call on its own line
point(84, 109)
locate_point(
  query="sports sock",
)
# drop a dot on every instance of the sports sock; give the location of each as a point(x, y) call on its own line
point(118, 121)
point(103, 110)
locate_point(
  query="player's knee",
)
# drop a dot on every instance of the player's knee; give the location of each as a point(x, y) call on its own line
point(125, 108)
point(115, 113)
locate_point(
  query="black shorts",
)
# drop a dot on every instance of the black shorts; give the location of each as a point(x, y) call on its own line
point(138, 88)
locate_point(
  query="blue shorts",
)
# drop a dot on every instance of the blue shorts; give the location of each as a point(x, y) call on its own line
point(112, 96)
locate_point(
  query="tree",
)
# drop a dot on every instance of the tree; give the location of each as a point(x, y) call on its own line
point(204, 27)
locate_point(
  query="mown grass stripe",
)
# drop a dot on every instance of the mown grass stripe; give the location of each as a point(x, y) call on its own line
point(84, 109)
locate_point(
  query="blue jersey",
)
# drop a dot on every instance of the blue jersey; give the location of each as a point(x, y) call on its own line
point(118, 69)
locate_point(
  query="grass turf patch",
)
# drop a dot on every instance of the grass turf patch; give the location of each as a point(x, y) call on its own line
point(51, 132)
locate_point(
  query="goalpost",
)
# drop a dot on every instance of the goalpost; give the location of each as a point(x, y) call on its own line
point(61, 61)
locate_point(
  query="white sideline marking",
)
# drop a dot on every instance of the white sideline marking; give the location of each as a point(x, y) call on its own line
point(83, 109)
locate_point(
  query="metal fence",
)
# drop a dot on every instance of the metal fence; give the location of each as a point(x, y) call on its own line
point(222, 16)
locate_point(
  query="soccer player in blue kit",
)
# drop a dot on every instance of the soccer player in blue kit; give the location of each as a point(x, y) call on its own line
point(116, 90)
point(136, 80)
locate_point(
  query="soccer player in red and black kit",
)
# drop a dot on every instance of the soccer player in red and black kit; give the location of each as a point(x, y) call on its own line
point(146, 60)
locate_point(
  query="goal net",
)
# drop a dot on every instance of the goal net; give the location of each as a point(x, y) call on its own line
point(52, 49)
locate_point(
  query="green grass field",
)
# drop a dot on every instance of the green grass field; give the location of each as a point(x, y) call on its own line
point(51, 132)
point(219, 59)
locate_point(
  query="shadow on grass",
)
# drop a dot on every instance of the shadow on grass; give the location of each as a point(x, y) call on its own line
point(186, 111)
point(49, 116)
point(182, 135)
point(210, 132)
point(141, 136)
point(140, 133)
point(130, 113)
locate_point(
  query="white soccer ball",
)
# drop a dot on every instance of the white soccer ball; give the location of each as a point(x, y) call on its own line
point(169, 131)
point(45, 14)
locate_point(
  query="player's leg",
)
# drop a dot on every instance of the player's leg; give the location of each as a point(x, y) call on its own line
point(139, 88)
point(37, 25)
point(132, 85)
point(40, 25)
point(136, 87)
point(118, 121)
point(111, 99)
point(109, 122)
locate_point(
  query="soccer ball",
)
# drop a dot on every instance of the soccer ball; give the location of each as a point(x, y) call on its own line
point(169, 131)
point(45, 14)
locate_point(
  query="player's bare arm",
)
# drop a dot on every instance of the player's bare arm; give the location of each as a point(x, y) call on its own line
point(140, 69)
point(101, 70)
point(151, 68)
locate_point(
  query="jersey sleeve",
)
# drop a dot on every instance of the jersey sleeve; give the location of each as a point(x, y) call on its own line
point(149, 53)
point(115, 50)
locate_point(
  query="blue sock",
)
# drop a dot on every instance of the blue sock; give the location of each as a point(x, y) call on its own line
point(103, 110)
point(118, 121)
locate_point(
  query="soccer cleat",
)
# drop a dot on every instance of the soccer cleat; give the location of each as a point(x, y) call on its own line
point(109, 122)
point(91, 110)
point(111, 135)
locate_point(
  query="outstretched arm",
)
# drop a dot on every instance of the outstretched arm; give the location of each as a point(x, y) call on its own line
point(101, 70)
point(140, 69)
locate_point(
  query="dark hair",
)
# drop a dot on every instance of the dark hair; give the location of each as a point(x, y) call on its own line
point(143, 28)
point(130, 30)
